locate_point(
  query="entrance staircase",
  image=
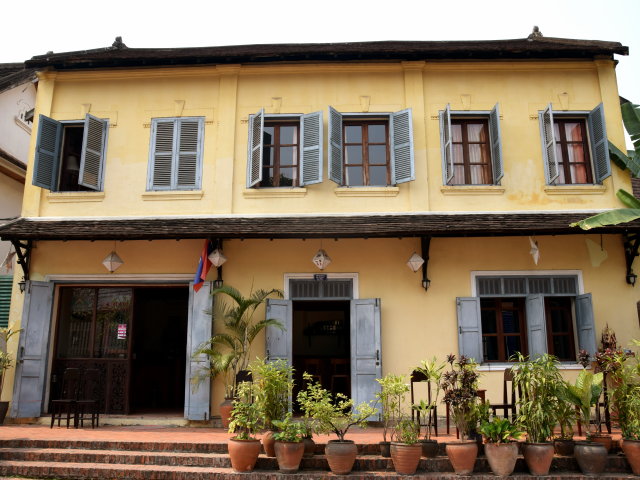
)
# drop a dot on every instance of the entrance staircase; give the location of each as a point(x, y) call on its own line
point(148, 460)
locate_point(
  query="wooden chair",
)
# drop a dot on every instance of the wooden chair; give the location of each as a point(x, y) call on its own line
point(340, 374)
point(65, 406)
point(509, 397)
point(88, 404)
point(432, 420)
point(313, 366)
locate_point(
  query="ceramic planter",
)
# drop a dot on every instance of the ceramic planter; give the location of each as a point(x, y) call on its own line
point(225, 412)
point(604, 439)
point(631, 449)
point(405, 457)
point(385, 449)
point(341, 456)
point(564, 446)
point(462, 456)
point(4, 407)
point(502, 457)
point(591, 457)
point(429, 448)
point(268, 443)
point(538, 457)
point(309, 447)
point(243, 454)
point(289, 455)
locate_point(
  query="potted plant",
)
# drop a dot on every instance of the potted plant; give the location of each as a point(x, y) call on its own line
point(244, 447)
point(537, 379)
point(228, 350)
point(334, 416)
point(289, 447)
point(460, 384)
point(432, 372)
point(392, 390)
point(564, 444)
point(500, 449)
point(6, 362)
point(406, 450)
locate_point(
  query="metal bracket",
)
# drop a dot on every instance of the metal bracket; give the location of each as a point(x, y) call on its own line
point(23, 251)
point(425, 242)
point(631, 247)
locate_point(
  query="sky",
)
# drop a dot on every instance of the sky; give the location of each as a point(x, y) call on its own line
point(36, 27)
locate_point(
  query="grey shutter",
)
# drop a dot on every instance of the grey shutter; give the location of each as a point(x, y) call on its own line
point(335, 146)
point(496, 145)
point(549, 145)
point(585, 324)
point(445, 144)
point(599, 144)
point(311, 151)
point(45, 171)
point(366, 364)
point(279, 342)
point(188, 159)
point(94, 143)
point(197, 399)
point(402, 147)
point(254, 157)
point(536, 325)
point(469, 328)
point(31, 364)
point(161, 154)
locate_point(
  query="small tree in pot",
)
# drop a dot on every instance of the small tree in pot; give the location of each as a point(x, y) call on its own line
point(500, 449)
point(289, 447)
point(244, 448)
point(432, 372)
point(406, 449)
point(392, 390)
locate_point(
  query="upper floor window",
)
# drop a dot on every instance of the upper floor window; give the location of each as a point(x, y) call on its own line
point(175, 155)
point(370, 149)
point(575, 147)
point(70, 156)
point(284, 150)
point(471, 147)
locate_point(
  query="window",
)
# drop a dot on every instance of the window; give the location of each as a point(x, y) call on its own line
point(471, 147)
point(70, 156)
point(503, 328)
point(575, 147)
point(560, 327)
point(370, 150)
point(284, 150)
point(175, 155)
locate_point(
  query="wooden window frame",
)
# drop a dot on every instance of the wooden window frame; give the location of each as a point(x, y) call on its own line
point(500, 327)
point(277, 124)
point(466, 162)
point(564, 150)
point(363, 123)
point(570, 333)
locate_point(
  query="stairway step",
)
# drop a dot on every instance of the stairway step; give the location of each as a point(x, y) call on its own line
point(219, 447)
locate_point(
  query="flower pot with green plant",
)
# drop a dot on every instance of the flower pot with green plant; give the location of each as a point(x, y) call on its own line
point(392, 390)
point(289, 447)
point(6, 362)
point(432, 372)
point(566, 416)
point(334, 415)
point(501, 448)
point(244, 447)
point(406, 450)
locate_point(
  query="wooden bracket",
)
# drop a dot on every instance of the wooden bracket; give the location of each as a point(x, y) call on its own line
point(425, 243)
point(631, 247)
point(23, 251)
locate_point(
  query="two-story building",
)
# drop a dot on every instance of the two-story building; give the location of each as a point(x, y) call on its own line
point(472, 157)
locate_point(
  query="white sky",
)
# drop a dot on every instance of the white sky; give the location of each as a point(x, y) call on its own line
point(35, 27)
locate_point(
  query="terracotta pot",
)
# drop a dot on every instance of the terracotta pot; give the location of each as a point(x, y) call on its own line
point(429, 448)
point(225, 412)
point(564, 446)
point(591, 457)
point(4, 407)
point(462, 456)
point(341, 456)
point(309, 447)
point(604, 439)
point(405, 457)
point(243, 454)
point(502, 457)
point(289, 455)
point(269, 444)
point(538, 457)
point(631, 449)
point(385, 449)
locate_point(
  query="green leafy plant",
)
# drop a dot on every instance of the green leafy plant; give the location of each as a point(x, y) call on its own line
point(392, 390)
point(625, 393)
point(566, 415)
point(6, 360)
point(245, 416)
point(289, 430)
point(273, 388)
point(407, 431)
point(460, 385)
point(583, 394)
point(500, 430)
point(432, 371)
point(332, 415)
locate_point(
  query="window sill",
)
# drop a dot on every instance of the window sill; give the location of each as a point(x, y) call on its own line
point(501, 367)
point(276, 192)
point(72, 197)
point(367, 191)
point(172, 195)
point(472, 190)
point(575, 189)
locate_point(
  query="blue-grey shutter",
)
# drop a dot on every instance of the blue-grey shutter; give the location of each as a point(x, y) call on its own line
point(311, 151)
point(49, 142)
point(366, 362)
point(469, 328)
point(402, 147)
point(585, 324)
point(279, 343)
point(161, 154)
point(92, 160)
point(335, 146)
point(197, 398)
point(547, 133)
point(33, 346)
point(599, 143)
point(445, 144)
point(187, 162)
point(496, 145)
point(536, 325)
point(254, 156)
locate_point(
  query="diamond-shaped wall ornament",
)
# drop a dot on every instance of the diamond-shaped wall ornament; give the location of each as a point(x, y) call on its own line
point(321, 259)
point(415, 262)
point(217, 258)
point(112, 262)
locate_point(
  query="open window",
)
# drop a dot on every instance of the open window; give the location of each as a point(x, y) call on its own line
point(574, 146)
point(70, 156)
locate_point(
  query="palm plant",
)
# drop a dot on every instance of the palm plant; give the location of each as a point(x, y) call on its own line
point(583, 394)
point(228, 350)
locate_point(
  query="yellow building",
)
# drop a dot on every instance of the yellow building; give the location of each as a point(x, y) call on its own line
point(475, 156)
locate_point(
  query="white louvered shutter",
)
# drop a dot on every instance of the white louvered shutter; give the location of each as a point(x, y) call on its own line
point(162, 147)
point(311, 151)
point(496, 145)
point(599, 144)
point(446, 145)
point(45, 172)
point(549, 145)
point(335, 146)
point(94, 143)
point(254, 157)
point(187, 163)
point(402, 147)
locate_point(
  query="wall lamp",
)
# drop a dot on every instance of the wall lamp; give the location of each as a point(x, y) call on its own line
point(631, 278)
point(22, 284)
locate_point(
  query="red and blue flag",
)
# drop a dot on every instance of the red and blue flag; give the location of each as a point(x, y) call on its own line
point(204, 264)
